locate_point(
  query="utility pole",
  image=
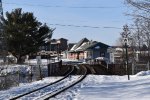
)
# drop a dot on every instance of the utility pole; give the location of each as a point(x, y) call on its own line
point(125, 34)
point(127, 64)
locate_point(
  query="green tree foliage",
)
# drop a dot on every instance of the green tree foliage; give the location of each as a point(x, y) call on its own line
point(24, 33)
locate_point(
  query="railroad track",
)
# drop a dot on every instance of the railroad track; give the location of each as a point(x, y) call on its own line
point(70, 70)
point(50, 90)
point(67, 86)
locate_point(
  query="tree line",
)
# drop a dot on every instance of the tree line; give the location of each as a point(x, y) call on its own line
point(139, 38)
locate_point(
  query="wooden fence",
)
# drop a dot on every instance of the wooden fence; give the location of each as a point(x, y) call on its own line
point(54, 67)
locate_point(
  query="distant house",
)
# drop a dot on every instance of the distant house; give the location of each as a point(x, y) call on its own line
point(116, 54)
point(54, 45)
point(86, 49)
point(73, 53)
point(60, 44)
point(52, 48)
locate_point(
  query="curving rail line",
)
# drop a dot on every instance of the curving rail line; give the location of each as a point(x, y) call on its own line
point(60, 90)
point(51, 90)
point(25, 94)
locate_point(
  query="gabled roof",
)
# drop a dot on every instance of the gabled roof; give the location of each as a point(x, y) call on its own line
point(96, 44)
point(72, 49)
point(81, 48)
point(79, 44)
point(85, 44)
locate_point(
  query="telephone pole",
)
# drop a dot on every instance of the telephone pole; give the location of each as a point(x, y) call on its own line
point(125, 35)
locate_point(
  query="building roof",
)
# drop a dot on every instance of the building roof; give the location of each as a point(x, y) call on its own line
point(70, 45)
point(79, 44)
point(85, 44)
point(96, 45)
point(62, 39)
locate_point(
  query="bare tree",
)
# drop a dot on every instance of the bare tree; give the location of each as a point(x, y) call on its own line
point(137, 34)
point(142, 5)
point(141, 30)
point(146, 34)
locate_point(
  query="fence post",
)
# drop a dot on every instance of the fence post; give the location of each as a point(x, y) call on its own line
point(5, 80)
point(31, 73)
point(148, 65)
point(18, 77)
point(133, 68)
point(40, 72)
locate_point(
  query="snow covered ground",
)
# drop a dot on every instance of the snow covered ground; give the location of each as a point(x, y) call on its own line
point(101, 87)
point(96, 87)
point(13, 68)
point(114, 88)
point(23, 88)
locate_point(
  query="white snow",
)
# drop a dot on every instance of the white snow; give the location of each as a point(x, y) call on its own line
point(34, 61)
point(114, 88)
point(5, 69)
point(96, 87)
point(102, 87)
point(23, 88)
point(143, 73)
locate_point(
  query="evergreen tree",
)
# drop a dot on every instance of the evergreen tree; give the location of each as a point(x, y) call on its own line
point(24, 33)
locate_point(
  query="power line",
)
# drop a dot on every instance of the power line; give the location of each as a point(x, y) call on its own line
point(70, 25)
point(84, 26)
point(87, 26)
point(57, 6)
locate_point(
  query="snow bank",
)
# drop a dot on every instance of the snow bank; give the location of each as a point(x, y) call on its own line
point(34, 61)
point(104, 87)
point(143, 73)
point(14, 68)
point(96, 80)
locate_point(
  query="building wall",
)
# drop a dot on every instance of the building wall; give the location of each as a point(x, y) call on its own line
point(74, 56)
point(63, 44)
point(88, 55)
point(81, 56)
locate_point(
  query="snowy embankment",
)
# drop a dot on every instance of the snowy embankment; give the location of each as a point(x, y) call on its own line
point(96, 87)
point(22, 69)
point(102, 87)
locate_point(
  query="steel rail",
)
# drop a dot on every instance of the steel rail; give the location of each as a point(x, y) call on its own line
point(60, 90)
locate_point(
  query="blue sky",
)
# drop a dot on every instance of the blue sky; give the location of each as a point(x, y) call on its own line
point(95, 13)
